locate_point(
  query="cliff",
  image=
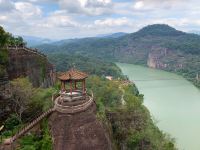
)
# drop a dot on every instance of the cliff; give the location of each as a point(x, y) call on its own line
point(166, 59)
point(154, 57)
point(29, 62)
point(24, 62)
point(79, 131)
point(5, 95)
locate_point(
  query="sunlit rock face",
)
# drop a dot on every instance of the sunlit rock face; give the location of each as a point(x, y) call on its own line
point(160, 58)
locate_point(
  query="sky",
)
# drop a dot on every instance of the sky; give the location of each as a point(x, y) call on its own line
point(64, 19)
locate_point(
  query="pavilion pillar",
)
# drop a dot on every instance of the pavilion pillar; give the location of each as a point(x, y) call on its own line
point(83, 86)
point(71, 87)
point(62, 86)
point(75, 85)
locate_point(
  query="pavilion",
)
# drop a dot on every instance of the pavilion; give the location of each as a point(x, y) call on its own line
point(72, 77)
point(72, 99)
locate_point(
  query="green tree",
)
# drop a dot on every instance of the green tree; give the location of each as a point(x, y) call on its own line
point(12, 122)
point(22, 91)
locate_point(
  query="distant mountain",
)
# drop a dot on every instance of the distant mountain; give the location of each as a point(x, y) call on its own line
point(66, 41)
point(158, 30)
point(141, 41)
point(33, 41)
point(112, 35)
point(76, 40)
point(158, 46)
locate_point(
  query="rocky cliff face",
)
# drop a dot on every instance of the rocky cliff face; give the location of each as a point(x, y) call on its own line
point(5, 95)
point(79, 131)
point(29, 62)
point(5, 92)
point(24, 62)
point(155, 56)
point(160, 58)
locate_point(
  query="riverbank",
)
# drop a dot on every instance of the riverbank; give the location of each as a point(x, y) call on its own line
point(173, 102)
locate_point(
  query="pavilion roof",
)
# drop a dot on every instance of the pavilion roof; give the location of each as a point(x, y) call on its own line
point(73, 74)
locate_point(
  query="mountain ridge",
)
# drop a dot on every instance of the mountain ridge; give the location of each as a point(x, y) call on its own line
point(164, 46)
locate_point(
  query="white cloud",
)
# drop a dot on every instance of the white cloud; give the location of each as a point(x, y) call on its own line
point(110, 22)
point(28, 10)
point(87, 7)
point(58, 19)
point(138, 4)
point(3, 18)
point(78, 18)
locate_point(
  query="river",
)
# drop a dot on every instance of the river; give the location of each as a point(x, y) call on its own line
point(173, 102)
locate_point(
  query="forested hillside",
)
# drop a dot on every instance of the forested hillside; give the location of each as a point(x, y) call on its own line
point(158, 46)
point(92, 66)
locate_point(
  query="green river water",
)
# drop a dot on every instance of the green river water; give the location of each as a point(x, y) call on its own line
point(173, 102)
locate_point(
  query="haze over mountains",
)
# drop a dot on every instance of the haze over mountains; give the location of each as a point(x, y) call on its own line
point(35, 41)
point(153, 35)
point(158, 46)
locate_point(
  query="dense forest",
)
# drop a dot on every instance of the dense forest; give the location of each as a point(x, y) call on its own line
point(172, 50)
point(92, 66)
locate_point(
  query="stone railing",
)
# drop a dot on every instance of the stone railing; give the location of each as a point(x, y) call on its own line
point(76, 95)
point(73, 109)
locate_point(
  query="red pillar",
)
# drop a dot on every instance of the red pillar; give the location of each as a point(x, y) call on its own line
point(83, 86)
point(62, 86)
point(75, 85)
point(71, 87)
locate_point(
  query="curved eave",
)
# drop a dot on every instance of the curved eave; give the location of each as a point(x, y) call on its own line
point(73, 79)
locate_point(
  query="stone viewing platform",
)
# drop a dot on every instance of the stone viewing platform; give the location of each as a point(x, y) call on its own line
point(74, 99)
point(77, 102)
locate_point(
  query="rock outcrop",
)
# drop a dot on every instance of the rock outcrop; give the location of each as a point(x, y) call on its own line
point(5, 95)
point(24, 62)
point(5, 92)
point(161, 58)
point(79, 131)
point(154, 57)
point(29, 62)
